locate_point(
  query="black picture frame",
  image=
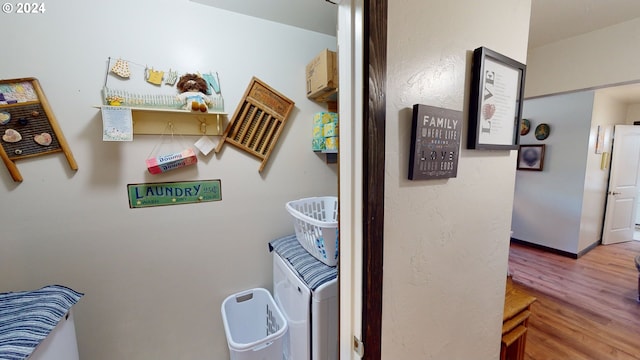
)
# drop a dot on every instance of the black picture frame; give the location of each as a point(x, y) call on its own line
point(531, 157)
point(495, 106)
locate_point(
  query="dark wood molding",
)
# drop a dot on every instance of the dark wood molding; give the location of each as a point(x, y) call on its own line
point(375, 72)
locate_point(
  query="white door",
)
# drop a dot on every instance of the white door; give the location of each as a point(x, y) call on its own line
point(620, 214)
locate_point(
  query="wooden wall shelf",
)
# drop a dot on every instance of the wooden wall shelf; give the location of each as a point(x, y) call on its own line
point(154, 121)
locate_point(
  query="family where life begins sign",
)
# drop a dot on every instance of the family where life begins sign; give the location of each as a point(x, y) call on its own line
point(435, 143)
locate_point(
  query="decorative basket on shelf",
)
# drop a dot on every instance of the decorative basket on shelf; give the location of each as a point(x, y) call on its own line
point(316, 226)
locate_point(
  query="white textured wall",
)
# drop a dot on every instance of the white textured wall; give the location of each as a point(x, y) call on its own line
point(446, 241)
point(596, 59)
point(606, 113)
point(548, 204)
point(633, 113)
point(154, 278)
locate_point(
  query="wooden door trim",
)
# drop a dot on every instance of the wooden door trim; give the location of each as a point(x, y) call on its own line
point(374, 117)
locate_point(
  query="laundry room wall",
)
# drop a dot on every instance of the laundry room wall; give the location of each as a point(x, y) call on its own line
point(153, 278)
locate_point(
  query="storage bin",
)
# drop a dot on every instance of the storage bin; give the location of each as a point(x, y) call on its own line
point(254, 326)
point(315, 221)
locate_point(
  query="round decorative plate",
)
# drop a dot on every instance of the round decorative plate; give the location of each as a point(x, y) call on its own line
point(525, 126)
point(542, 131)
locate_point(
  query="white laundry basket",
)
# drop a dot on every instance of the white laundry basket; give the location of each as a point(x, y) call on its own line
point(315, 221)
point(254, 326)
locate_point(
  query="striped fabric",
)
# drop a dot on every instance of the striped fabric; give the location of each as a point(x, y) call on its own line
point(311, 270)
point(27, 317)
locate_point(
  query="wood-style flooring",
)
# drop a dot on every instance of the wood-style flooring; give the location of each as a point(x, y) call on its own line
point(586, 308)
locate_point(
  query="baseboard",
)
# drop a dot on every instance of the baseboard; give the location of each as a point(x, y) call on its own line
point(546, 248)
point(589, 248)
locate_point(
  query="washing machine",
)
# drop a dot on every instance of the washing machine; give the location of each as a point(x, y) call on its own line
point(306, 292)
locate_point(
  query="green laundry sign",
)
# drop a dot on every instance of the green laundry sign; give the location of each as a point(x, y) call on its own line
point(173, 193)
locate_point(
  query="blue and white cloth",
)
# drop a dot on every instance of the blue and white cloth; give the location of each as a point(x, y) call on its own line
point(27, 318)
point(310, 270)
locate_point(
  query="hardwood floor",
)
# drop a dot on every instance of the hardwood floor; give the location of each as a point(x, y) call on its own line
point(586, 309)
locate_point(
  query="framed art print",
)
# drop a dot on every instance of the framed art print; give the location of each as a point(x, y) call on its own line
point(495, 107)
point(531, 157)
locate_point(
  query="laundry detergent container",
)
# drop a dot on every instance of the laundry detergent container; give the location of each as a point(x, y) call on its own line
point(254, 326)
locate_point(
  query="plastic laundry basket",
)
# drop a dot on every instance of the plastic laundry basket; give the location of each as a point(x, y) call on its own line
point(315, 221)
point(254, 326)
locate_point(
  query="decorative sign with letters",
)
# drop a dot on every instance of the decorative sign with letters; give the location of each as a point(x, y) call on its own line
point(173, 193)
point(495, 106)
point(435, 143)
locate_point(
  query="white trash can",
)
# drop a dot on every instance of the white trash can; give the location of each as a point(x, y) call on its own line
point(254, 326)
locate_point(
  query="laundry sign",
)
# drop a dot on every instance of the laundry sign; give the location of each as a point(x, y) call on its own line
point(173, 193)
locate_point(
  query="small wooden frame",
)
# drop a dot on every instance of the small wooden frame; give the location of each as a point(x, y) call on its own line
point(31, 116)
point(258, 121)
point(531, 157)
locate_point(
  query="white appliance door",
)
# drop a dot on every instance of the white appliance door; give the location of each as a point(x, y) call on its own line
point(293, 298)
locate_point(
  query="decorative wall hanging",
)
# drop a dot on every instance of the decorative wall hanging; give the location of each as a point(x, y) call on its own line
point(131, 84)
point(525, 127)
point(117, 123)
point(160, 162)
point(213, 83)
point(121, 68)
point(151, 95)
point(258, 121)
point(173, 193)
point(171, 77)
point(192, 91)
point(166, 162)
point(28, 125)
point(531, 157)
point(435, 143)
point(153, 76)
point(542, 131)
point(495, 107)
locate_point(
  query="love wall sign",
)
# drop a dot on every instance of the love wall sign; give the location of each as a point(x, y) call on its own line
point(495, 105)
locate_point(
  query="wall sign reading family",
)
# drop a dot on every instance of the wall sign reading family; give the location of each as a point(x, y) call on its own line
point(495, 106)
point(435, 143)
point(173, 193)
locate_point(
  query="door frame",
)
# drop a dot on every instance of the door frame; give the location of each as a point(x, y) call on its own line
point(375, 72)
point(362, 43)
point(610, 235)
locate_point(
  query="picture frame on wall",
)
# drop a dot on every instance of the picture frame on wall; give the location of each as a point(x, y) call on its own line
point(495, 107)
point(531, 157)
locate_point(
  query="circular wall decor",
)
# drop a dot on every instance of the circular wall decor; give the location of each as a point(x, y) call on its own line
point(525, 126)
point(542, 131)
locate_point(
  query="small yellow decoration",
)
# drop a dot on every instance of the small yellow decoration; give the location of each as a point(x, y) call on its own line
point(154, 76)
point(114, 100)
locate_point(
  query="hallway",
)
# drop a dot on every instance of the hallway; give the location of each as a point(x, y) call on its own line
point(587, 308)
